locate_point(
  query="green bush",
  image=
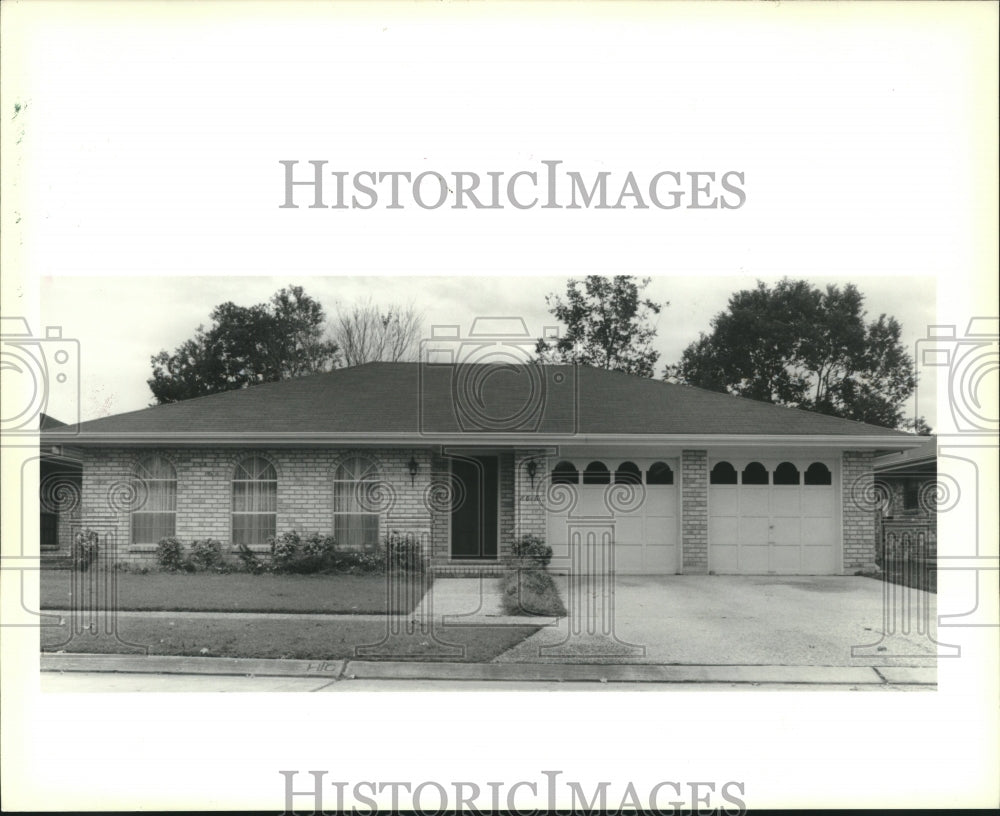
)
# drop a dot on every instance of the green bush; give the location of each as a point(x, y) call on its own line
point(135, 569)
point(285, 549)
point(531, 591)
point(250, 561)
point(206, 554)
point(403, 551)
point(85, 547)
point(316, 554)
point(290, 554)
point(358, 562)
point(531, 550)
point(170, 554)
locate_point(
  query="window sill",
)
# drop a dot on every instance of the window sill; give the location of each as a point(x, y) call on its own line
point(142, 548)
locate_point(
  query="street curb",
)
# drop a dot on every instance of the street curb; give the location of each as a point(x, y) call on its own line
point(346, 670)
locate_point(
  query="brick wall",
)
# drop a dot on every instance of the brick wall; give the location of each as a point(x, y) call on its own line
point(204, 491)
point(694, 510)
point(859, 504)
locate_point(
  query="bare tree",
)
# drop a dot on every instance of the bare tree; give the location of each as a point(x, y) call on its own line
point(367, 332)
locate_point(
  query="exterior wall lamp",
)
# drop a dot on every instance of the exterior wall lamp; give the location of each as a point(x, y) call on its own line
point(413, 467)
point(532, 470)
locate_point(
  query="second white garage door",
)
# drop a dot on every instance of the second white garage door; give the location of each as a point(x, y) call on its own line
point(625, 510)
point(773, 518)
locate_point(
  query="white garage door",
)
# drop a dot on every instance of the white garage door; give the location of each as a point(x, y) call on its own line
point(775, 518)
point(623, 510)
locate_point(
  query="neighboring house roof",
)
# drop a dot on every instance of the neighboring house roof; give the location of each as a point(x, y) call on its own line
point(402, 400)
point(46, 423)
point(54, 452)
point(920, 461)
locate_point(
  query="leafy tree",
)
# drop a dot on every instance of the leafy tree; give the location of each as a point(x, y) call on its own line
point(367, 333)
point(246, 345)
point(607, 325)
point(795, 344)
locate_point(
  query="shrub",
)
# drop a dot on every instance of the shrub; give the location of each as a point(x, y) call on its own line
point(403, 551)
point(290, 554)
point(85, 546)
point(170, 554)
point(206, 554)
point(250, 560)
point(359, 562)
point(531, 591)
point(285, 550)
point(531, 550)
point(136, 569)
point(316, 554)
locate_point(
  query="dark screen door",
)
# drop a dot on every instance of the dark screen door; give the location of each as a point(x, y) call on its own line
point(474, 511)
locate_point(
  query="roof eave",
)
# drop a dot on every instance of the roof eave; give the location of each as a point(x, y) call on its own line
point(294, 439)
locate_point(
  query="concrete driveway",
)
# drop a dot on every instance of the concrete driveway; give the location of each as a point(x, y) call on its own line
point(738, 620)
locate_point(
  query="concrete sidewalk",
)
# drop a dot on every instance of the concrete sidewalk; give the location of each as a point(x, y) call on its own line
point(272, 674)
point(458, 601)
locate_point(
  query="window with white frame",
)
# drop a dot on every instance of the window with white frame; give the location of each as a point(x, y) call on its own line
point(255, 501)
point(154, 482)
point(355, 513)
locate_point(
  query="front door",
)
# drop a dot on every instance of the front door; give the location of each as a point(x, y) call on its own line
point(474, 507)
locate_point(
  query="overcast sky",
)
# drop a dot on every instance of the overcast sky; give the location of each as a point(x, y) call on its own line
point(121, 322)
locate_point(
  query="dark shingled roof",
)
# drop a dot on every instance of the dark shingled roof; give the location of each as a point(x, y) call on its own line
point(419, 398)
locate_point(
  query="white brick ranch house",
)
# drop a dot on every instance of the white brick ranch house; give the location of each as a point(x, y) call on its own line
point(610, 469)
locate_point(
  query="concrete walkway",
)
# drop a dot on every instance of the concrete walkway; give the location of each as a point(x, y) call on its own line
point(458, 601)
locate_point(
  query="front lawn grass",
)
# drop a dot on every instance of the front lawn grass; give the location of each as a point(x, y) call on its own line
point(531, 591)
point(242, 592)
point(342, 639)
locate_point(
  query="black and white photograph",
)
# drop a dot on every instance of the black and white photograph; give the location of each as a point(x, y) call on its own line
point(494, 406)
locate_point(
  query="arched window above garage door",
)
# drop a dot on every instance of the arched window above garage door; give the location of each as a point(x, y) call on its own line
point(818, 474)
point(659, 473)
point(628, 473)
point(754, 474)
point(597, 473)
point(786, 474)
point(565, 473)
point(723, 474)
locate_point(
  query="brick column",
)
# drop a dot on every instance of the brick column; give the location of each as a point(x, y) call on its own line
point(694, 511)
point(105, 474)
point(529, 509)
point(439, 500)
point(859, 504)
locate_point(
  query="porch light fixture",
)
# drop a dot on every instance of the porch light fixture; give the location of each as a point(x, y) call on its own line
point(532, 470)
point(413, 467)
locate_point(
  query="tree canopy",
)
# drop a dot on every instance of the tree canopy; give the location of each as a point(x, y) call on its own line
point(795, 344)
point(246, 345)
point(607, 325)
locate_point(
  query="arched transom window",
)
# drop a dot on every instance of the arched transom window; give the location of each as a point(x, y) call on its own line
point(355, 513)
point(154, 481)
point(255, 501)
